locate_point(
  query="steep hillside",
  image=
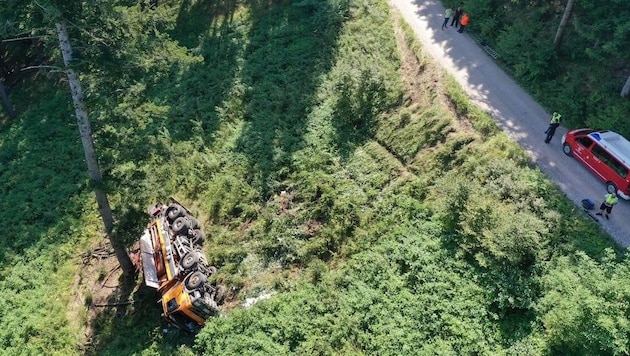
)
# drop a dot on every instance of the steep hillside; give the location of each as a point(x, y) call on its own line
point(333, 167)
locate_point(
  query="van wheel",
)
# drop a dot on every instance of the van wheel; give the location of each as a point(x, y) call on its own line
point(195, 279)
point(566, 148)
point(611, 187)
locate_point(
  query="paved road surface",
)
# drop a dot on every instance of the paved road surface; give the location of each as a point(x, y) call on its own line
point(515, 111)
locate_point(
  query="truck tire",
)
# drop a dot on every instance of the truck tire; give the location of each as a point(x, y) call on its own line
point(207, 270)
point(219, 294)
point(180, 225)
point(211, 303)
point(196, 236)
point(189, 260)
point(194, 223)
point(174, 211)
point(194, 280)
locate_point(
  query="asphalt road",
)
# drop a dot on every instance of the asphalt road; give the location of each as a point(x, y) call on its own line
point(520, 116)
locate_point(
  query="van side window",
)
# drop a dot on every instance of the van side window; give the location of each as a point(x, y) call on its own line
point(610, 161)
point(585, 141)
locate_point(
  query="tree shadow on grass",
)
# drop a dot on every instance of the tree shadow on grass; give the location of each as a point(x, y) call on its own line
point(42, 175)
point(177, 104)
point(193, 96)
point(195, 16)
point(290, 47)
point(285, 53)
point(356, 110)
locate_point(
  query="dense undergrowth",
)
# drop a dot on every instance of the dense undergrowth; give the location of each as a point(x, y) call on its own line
point(583, 76)
point(383, 221)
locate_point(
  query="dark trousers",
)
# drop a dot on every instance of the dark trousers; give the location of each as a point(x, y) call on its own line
point(455, 21)
point(551, 130)
point(606, 207)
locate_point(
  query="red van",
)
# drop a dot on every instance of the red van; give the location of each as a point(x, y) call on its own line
point(605, 153)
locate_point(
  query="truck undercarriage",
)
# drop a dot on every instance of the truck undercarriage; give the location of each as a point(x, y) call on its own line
point(173, 262)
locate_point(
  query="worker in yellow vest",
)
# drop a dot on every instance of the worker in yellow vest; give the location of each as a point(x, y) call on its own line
point(553, 125)
point(610, 200)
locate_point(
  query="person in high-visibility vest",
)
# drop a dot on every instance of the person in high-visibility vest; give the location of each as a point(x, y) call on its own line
point(610, 200)
point(463, 22)
point(553, 125)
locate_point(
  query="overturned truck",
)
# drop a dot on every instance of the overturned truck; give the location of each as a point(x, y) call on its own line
point(173, 262)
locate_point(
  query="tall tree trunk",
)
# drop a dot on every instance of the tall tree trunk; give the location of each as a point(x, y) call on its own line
point(4, 95)
point(90, 153)
point(563, 23)
point(626, 88)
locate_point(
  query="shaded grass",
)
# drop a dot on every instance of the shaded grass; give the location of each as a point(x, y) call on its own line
point(307, 156)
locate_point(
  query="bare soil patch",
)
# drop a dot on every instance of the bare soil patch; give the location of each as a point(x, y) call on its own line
point(100, 290)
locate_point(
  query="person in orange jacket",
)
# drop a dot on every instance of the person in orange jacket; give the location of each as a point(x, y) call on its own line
point(463, 22)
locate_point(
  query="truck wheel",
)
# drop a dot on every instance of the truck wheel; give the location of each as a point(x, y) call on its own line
point(197, 237)
point(189, 260)
point(174, 211)
point(219, 294)
point(566, 148)
point(194, 223)
point(180, 225)
point(611, 187)
point(211, 303)
point(212, 270)
point(195, 279)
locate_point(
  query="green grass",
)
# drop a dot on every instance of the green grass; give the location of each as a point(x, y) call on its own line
point(384, 222)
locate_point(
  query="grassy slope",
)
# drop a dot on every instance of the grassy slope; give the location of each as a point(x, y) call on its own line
point(399, 287)
point(47, 219)
point(361, 143)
